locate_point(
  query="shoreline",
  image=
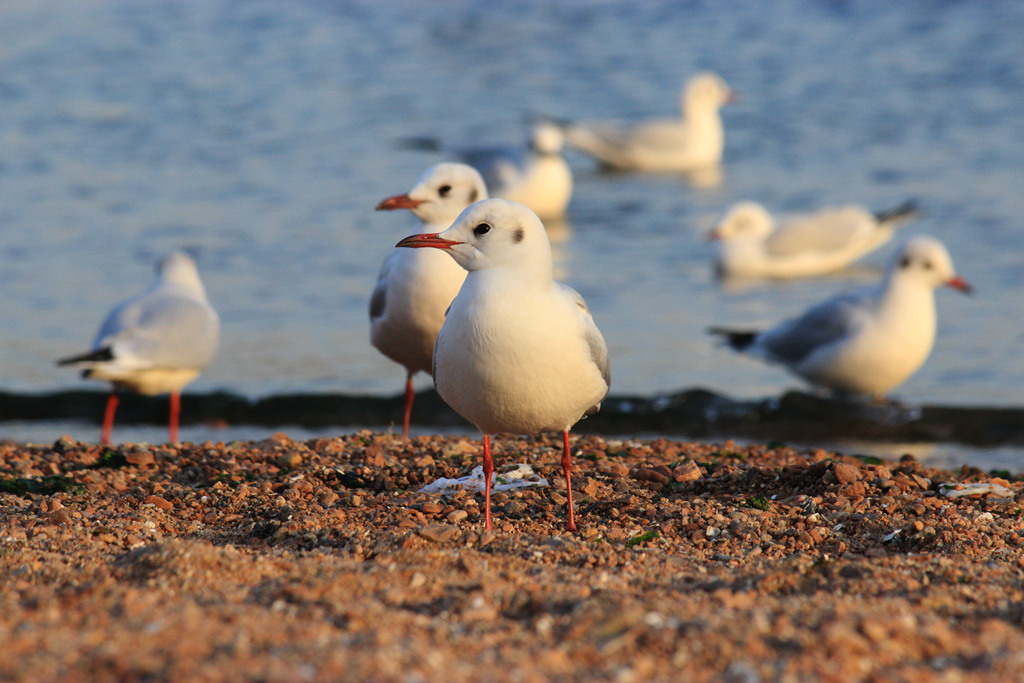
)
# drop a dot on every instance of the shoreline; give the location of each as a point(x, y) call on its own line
point(318, 560)
point(691, 413)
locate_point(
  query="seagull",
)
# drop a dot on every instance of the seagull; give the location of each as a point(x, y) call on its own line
point(867, 341)
point(751, 245)
point(519, 352)
point(692, 142)
point(415, 288)
point(156, 342)
point(537, 176)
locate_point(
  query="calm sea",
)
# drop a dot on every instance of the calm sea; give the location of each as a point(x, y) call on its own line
point(261, 135)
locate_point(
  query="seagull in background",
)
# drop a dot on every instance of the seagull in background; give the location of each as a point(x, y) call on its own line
point(752, 245)
point(692, 142)
point(519, 352)
point(414, 288)
point(868, 341)
point(537, 176)
point(156, 342)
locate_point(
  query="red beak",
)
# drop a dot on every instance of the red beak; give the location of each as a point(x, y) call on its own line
point(429, 239)
point(733, 97)
point(958, 282)
point(713, 235)
point(399, 201)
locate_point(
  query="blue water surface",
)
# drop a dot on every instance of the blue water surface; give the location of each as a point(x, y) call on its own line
point(261, 135)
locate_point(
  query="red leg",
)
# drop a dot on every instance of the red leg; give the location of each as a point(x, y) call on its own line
point(409, 396)
point(175, 412)
point(567, 467)
point(108, 418)
point(488, 471)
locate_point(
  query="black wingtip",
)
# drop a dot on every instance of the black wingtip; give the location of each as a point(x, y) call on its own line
point(99, 355)
point(419, 144)
point(737, 339)
point(904, 210)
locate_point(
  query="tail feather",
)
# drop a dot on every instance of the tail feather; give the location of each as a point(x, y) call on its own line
point(97, 356)
point(904, 210)
point(419, 144)
point(737, 339)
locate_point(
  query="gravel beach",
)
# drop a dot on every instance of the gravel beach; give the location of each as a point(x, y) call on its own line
point(281, 560)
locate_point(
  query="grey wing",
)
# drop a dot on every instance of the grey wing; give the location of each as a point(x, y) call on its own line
point(378, 299)
point(161, 330)
point(792, 341)
point(592, 335)
point(121, 318)
point(658, 133)
point(596, 138)
point(827, 231)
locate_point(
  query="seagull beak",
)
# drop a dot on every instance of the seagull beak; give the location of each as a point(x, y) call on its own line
point(732, 97)
point(399, 201)
point(713, 235)
point(429, 239)
point(958, 282)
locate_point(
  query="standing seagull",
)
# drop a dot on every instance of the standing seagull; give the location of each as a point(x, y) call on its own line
point(519, 353)
point(156, 342)
point(865, 342)
point(537, 176)
point(415, 288)
point(752, 245)
point(692, 142)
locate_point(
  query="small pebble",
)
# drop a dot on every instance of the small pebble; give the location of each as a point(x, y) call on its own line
point(159, 502)
point(457, 516)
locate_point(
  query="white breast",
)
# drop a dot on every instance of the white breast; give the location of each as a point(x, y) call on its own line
point(519, 364)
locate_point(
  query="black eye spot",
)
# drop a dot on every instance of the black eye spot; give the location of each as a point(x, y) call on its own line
point(927, 265)
point(472, 195)
point(904, 262)
point(481, 229)
point(444, 190)
point(518, 235)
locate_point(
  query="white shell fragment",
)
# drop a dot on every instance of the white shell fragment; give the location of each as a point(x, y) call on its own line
point(506, 478)
point(976, 488)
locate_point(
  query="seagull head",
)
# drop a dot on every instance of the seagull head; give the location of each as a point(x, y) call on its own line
point(178, 268)
point(707, 91)
point(925, 260)
point(490, 234)
point(744, 221)
point(441, 193)
point(546, 138)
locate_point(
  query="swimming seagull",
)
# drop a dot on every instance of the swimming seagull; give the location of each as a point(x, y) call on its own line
point(750, 244)
point(692, 142)
point(414, 288)
point(156, 342)
point(519, 352)
point(868, 341)
point(537, 176)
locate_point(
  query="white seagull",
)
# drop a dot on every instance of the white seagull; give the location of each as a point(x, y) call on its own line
point(156, 342)
point(537, 176)
point(519, 352)
point(415, 288)
point(751, 245)
point(692, 142)
point(868, 341)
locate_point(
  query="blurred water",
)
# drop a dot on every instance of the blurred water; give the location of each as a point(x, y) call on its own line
point(262, 134)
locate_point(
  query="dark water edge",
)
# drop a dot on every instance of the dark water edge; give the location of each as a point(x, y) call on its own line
point(695, 413)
